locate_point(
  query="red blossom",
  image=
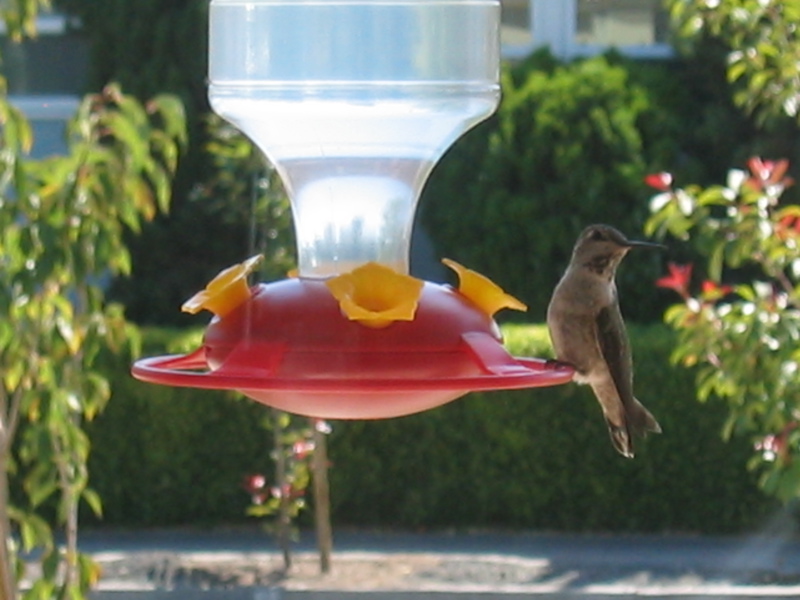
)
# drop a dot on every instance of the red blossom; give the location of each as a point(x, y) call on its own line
point(301, 449)
point(255, 483)
point(678, 279)
point(774, 446)
point(713, 290)
point(768, 446)
point(788, 226)
point(256, 486)
point(791, 222)
point(660, 181)
point(768, 173)
point(287, 490)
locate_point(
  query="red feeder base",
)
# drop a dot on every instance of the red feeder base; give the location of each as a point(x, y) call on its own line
point(290, 347)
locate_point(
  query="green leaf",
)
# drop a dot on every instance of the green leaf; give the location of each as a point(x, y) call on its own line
point(736, 70)
point(89, 571)
point(40, 491)
point(69, 334)
point(35, 533)
point(173, 115)
point(13, 374)
point(716, 261)
point(42, 589)
point(50, 564)
point(92, 498)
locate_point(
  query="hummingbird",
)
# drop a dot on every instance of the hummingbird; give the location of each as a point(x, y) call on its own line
point(588, 332)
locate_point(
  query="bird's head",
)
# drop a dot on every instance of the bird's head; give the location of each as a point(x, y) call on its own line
point(600, 248)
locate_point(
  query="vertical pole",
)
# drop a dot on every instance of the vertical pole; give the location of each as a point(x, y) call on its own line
point(284, 518)
point(322, 498)
point(7, 579)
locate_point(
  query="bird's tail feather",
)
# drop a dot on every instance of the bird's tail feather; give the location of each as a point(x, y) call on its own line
point(640, 421)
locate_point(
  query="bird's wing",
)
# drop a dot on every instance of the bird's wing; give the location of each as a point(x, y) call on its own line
point(614, 346)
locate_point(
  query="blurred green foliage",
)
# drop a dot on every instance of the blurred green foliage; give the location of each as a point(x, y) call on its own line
point(742, 338)
point(61, 219)
point(762, 50)
point(223, 208)
point(739, 330)
point(530, 459)
point(569, 146)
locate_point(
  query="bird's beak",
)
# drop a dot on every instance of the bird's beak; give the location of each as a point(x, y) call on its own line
point(651, 245)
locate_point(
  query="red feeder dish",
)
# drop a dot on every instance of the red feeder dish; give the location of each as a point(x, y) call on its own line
point(289, 345)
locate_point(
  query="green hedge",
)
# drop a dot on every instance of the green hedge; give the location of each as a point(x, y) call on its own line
point(542, 459)
point(169, 456)
point(534, 459)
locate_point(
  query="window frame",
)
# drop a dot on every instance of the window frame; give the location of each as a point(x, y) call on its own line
point(46, 109)
point(554, 23)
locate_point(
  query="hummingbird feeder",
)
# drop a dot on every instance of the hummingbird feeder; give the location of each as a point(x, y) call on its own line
point(353, 102)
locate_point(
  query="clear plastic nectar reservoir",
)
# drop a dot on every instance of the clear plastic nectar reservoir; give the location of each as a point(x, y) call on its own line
point(353, 101)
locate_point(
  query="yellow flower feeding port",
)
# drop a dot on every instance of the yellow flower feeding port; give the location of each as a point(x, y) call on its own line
point(354, 127)
point(375, 295)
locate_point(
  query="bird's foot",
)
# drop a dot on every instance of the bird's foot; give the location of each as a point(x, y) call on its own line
point(555, 364)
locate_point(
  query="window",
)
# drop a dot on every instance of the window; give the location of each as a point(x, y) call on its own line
point(584, 27)
point(45, 78)
point(515, 26)
point(622, 23)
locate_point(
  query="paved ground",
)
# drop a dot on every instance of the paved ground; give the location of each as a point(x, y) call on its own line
point(245, 564)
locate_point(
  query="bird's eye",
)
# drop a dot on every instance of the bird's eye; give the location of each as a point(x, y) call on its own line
point(597, 235)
